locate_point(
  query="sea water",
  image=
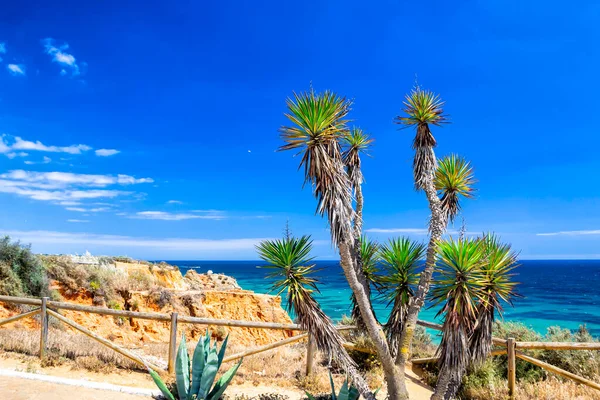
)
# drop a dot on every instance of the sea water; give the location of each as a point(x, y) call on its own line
point(562, 293)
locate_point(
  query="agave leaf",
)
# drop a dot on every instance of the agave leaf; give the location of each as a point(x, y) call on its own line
point(222, 383)
point(208, 375)
point(161, 385)
point(222, 351)
point(182, 370)
point(344, 393)
point(333, 395)
point(198, 365)
point(353, 393)
point(310, 396)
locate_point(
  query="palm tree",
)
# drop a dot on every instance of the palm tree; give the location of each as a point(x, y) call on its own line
point(292, 273)
point(399, 258)
point(369, 256)
point(422, 108)
point(319, 123)
point(459, 287)
point(453, 178)
point(499, 263)
point(355, 143)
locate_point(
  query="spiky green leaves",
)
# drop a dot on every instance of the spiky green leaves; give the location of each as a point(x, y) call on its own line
point(319, 123)
point(370, 256)
point(355, 142)
point(453, 180)
point(400, 258)
point(198, 385)
point(290, 260)
point(347, 391)
point(421, 108)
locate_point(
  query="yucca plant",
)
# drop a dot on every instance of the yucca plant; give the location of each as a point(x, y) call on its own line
point(369, 256)
point(498, 287)
point(453, 179)
point(399, 258)
point(347, 391)
point(458, 287)
point(194, 380)
point(293, 270)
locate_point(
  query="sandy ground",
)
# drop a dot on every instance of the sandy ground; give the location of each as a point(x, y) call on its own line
point(23, 389)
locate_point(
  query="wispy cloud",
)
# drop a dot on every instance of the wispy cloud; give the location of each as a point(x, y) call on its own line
point(45, 160)
point(174, 202)
point(16, 69)
point(106, 152)
point(64, 59)
point(13, 154)
point(166, 216)
point(413, 231)
point(571, 233)
point(78, 221)
point(88, 210)
point(21, 144)
point(129, 242)
point(2, 49)
point(65, 188)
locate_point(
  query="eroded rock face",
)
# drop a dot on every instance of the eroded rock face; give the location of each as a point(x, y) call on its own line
point(199, 295)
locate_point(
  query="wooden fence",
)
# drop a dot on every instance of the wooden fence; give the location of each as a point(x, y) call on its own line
point(46, 308)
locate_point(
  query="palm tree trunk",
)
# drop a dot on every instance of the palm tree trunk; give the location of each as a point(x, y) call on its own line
point(376, 333)
point(442, 384)
point(437, 226)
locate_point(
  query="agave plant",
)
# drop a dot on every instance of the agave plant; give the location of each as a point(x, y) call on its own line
point(347, 391)
point(458, 287)
point(400, 258)
point(498, 286)
point(453, 178)
point(197, 383)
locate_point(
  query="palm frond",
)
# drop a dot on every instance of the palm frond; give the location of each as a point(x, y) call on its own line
point(355, 143)
point(459, 286)
point(399, 258)
point(453, 179)
point(369, 254)
point(421, 108)
point(319, 123)
point(291, 263)
point(499, 263)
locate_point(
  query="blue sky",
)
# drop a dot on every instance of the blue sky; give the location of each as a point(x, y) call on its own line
point(149, 129)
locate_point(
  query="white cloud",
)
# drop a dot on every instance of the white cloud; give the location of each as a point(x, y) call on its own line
point(12, 155)
point(16, 69)
point(21, 144)
point(2, 48)
point(63, 179)
point(174, 202)
point(37, 238)
point(414, 231)
point(81, 209)
point(59, 54)
point(78, 220)
point(106, 152)
point(166, 216)
point(571, 233)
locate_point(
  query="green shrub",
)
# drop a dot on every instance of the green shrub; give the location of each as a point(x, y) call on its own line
point(62, 269)
point(10, 284)
point(26, 266)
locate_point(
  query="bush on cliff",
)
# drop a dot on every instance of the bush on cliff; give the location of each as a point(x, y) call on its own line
point(21, 271)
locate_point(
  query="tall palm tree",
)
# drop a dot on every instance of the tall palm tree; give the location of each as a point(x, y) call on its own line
point(499, 262)
point(400, 258)
point(453, 178)
point(355, 143)
point(459, 287)
point(422, 109)
point(319, 123)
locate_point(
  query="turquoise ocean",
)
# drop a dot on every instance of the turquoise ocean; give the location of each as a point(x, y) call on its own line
point(554, 292)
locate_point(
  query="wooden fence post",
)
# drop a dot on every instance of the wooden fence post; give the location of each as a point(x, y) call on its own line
point(44, 329)
point(310, 354)
point(512, 367)
point(173, 343)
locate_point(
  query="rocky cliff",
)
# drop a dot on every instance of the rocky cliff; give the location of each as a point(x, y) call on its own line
point(161, 288)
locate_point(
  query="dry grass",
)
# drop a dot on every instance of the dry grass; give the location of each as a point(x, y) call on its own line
point(550, 389)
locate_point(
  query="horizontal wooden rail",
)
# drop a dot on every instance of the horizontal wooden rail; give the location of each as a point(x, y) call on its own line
point(557, 346)
point(558, 371)
point(266, 347)
point(105, 342)
point(429, 360)
point(19, 316)
point(439, 327)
